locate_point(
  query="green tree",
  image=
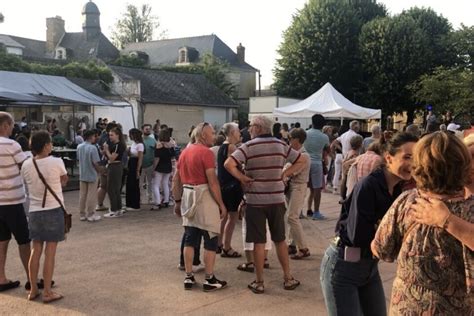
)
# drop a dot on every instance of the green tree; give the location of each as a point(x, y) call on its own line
point(214, 69)
point(463, 42)
point(394, 54)
point(446, 89)
point(136, 25)
point(438, 31)
point(321, 45)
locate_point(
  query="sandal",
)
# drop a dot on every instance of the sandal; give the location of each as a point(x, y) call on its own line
point(9, 285)
point(302, 253)
point(32, 297)
point(291, 284)
point(257, 287)
point(53, 297)
point(266, 265)
point(247, 267)
point(230, 253)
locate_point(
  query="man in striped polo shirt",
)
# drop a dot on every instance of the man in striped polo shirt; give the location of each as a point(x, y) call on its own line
point(12, 195)
point(263, 159)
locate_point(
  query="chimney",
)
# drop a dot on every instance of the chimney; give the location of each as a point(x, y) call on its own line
point(54, 32)
point(241, 53)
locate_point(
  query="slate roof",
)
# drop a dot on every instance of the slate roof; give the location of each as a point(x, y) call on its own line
point(31, 47)
point(81, 49)
point(165, 52)
point(93, 86)
point(166, 87)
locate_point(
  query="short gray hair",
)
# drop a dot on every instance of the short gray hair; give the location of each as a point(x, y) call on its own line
point(227, 128)
point(376, 130)
point(264, 122)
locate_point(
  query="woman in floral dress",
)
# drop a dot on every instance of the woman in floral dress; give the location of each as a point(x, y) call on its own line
point(434, 275)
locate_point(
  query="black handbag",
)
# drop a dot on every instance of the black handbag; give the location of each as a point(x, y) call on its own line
point(67, 216)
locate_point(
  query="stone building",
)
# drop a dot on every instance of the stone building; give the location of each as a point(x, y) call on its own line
point(91, 43)
point(190, 50)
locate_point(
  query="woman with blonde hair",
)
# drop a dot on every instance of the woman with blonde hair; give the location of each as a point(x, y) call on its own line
point(435, 270)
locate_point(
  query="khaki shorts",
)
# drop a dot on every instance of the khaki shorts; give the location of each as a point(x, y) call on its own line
point(103, 177)
point(256, 219)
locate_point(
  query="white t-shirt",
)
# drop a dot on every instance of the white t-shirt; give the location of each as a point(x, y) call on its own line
point(52, 169)
point(135, 148)
point(345, 140)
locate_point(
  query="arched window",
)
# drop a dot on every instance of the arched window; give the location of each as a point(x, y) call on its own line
point(182, 56)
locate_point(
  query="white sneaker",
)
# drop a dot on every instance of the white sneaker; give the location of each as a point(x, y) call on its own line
point(113, 214)
point(171, 202)
point(82, 218)
point(94, 218)
point(130, 209)
point(198, 268)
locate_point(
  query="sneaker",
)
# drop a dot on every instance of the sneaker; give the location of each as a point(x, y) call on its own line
point(309, 213)
point(82, 218)
point(317, 216)
point(181, 267)
point(94, 218)
point(171, 203)
point(113, 214)
point(101, 208)
point(130, 209)
point(213, 284)
point(198, 268)
point(189, 281)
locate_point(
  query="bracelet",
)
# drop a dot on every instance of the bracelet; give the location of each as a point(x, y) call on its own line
point(446, 221)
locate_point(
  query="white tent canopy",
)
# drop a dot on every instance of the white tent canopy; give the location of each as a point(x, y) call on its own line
point(328, 102)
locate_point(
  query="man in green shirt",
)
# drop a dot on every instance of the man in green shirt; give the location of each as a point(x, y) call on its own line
point(147, 165)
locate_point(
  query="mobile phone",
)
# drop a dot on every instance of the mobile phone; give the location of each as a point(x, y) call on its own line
point(352, 254)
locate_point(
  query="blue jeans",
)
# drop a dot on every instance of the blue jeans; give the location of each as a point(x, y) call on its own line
point(351, 288)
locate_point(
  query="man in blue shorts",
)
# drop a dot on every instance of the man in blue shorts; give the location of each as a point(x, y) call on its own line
point(316, 142)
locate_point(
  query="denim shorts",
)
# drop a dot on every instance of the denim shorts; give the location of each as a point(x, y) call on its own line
point(47, 225)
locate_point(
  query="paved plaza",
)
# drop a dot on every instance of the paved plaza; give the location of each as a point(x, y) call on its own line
point(128, 266)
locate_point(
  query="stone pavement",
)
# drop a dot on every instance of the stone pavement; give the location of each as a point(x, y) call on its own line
point(127, 265)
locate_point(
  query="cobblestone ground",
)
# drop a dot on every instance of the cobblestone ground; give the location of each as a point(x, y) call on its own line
point(128, 265)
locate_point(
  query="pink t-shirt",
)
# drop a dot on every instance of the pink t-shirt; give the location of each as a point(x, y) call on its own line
point(193, 163)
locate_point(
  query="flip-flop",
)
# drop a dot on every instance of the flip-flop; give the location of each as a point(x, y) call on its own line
point(33, 297)
point(52, 298)
point(10, 285)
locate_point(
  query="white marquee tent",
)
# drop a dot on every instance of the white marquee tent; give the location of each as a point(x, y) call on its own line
point(328, 102)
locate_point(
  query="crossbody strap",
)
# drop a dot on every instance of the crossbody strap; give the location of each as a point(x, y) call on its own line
point(47, 186)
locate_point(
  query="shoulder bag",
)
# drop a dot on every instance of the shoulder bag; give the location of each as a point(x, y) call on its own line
point(67, 216)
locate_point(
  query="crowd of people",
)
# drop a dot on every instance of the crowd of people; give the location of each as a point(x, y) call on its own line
point(404, 196)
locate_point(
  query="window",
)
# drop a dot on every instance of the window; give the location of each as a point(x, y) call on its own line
point(182, 56)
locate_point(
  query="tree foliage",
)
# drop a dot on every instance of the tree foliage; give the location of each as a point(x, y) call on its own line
point(321, 45)
point(446, 89)
point(393, 55)
point(214, 69)
point(463, 42)
point(136, 25)
point(89, 70)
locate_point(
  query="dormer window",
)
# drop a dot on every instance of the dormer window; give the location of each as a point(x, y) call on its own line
point(183, 55)
point(60, 53)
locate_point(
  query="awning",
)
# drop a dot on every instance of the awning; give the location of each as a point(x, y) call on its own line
point(19, 88)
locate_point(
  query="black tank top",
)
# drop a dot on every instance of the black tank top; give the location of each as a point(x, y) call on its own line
point(223, 175)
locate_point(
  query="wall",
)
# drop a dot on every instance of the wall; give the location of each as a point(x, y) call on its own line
point(245, 82)
point(181, 118)
point(265, 105)
point(122, 115)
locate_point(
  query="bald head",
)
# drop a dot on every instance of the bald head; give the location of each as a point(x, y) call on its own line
point(6, 124)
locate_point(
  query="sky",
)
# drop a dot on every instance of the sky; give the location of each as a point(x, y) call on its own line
point(257, 24)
